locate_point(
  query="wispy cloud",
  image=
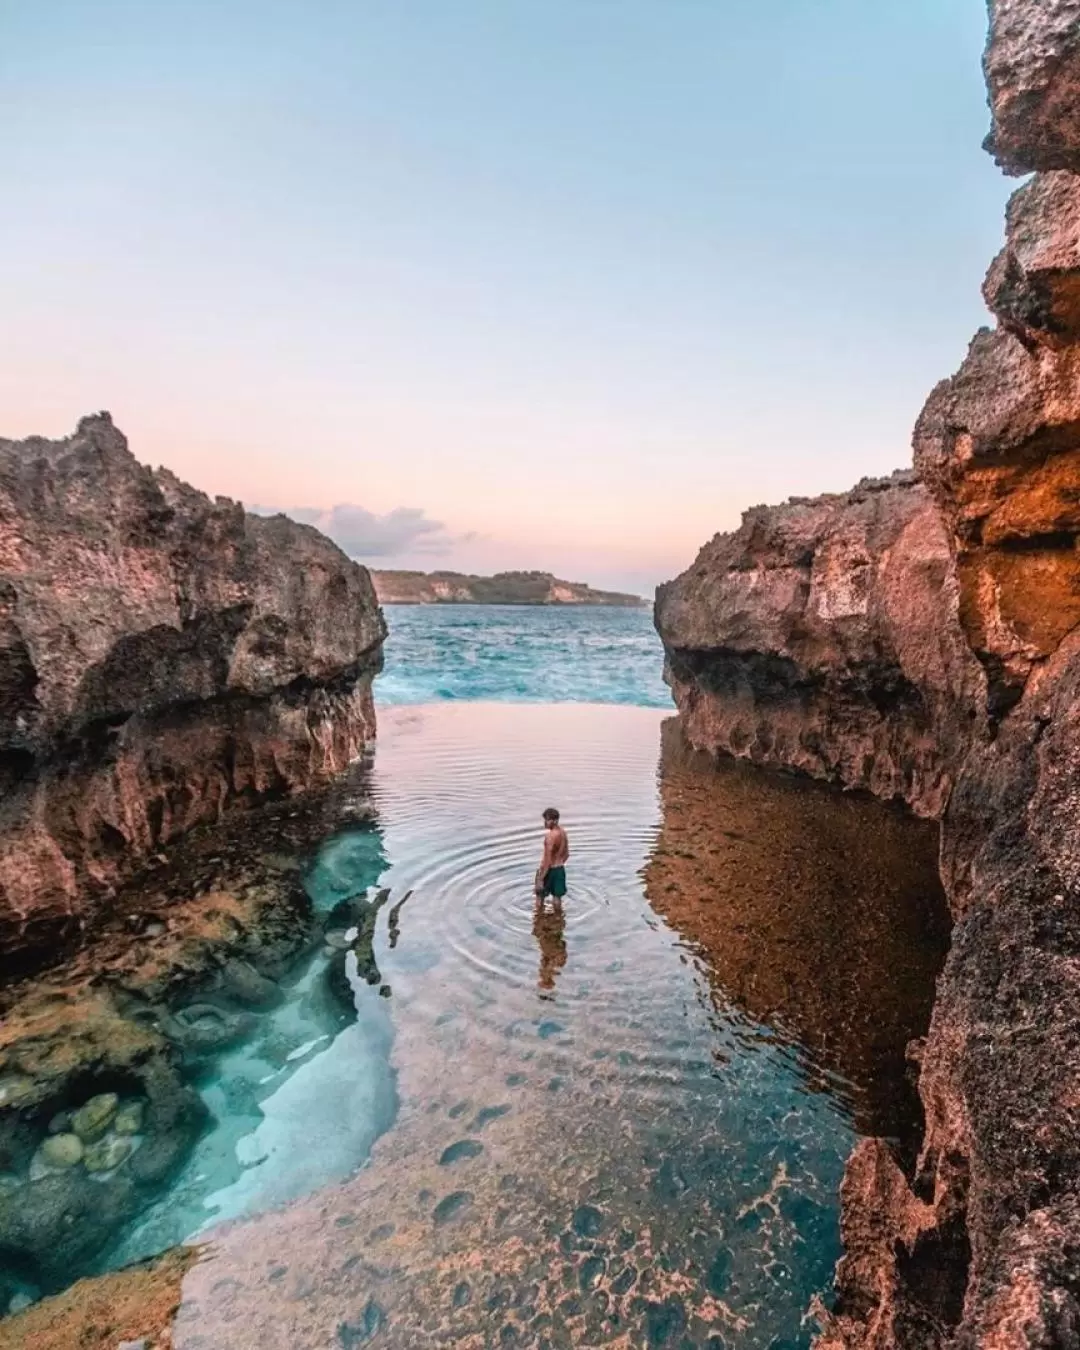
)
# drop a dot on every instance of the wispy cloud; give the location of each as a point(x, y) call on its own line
point(363, 534)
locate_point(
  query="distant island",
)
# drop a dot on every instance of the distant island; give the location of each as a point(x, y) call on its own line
point(504, 588)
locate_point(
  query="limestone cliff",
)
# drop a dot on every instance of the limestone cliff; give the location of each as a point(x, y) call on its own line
point(163, 657)
point(504, 588)
point(781, 654)
point(813, 638)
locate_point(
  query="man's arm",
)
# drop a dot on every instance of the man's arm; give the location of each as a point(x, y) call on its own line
point(545, 861)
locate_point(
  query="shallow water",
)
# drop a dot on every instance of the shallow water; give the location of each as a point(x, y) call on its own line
point(522, 654)
point(613, 1127)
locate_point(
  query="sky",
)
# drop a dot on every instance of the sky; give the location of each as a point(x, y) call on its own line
point(490, 284)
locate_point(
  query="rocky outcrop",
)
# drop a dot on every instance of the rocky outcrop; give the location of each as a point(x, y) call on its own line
point(976, 1243)
point(163, 658)
point(1032, 67)
point(504, 588)
point(822, 636)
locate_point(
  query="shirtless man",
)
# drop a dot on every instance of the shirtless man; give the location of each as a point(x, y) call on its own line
point(551, 874)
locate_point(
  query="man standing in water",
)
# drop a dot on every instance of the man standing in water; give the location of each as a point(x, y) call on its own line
point(551, 874)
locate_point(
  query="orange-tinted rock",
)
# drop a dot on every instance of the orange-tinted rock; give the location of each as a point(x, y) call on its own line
point(999, 447)
point(1032, 67)
point(163, 658)
point(1033, 286)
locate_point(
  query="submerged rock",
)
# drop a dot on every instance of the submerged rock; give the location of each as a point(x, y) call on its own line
point(107, 1154)
point(129, 1119)
point(91, 1121)
point(60, 1151)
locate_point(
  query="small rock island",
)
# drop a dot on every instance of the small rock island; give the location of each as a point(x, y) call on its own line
point(504, 588)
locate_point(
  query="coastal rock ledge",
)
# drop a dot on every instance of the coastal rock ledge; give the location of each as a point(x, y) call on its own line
point(164, 657)
point(919, 637)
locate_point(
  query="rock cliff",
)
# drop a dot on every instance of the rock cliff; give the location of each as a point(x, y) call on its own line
point(504, 588)
point(163, 658)
point(790, 642)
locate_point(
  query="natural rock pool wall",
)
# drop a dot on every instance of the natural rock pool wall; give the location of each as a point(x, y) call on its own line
point(164, 657)
point(920, 639)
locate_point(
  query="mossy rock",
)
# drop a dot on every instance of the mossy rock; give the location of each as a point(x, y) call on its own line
point(93, 1119)
point(129, 1119)
point(107, 1154)
point(61, 1150)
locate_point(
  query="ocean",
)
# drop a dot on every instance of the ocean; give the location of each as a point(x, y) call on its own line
point(522, 654)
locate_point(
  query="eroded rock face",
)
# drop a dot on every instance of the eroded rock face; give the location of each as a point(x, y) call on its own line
point(1033, 286)
point(163, 657)
point(1032, 67)
point(999, 447)
point(822, 636)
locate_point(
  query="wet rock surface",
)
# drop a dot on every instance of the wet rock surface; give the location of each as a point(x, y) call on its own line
point(99, 1057)
point(164, 657)
point(973, 1241)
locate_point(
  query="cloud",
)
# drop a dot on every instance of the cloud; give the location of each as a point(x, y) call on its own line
point(363, 534)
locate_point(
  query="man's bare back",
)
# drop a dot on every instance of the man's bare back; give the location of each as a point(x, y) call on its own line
point(551, 874)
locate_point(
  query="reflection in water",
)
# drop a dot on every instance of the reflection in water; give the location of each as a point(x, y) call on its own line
point(652, 1159)
point(549, 929)
point(816, 913)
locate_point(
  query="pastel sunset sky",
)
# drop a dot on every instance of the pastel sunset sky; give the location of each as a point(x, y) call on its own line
point(508, 283)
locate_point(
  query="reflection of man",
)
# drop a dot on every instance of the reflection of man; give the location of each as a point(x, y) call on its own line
point(551, 874)
point(549, 930)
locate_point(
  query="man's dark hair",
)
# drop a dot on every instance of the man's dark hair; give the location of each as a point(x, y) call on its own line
point(552, 815)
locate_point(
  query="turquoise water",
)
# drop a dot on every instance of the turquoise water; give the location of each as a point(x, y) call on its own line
point(522, 654)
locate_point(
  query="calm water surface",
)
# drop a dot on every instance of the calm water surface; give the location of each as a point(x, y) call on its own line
point(625, 1126)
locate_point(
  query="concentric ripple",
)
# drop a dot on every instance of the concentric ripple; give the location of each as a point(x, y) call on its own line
point(621, 1125)
point(461, 810)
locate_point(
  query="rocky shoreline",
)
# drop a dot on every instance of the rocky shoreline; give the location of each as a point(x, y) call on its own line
point(98, 1056)
point(919, 637)
point(180, 681)
point(164, 660)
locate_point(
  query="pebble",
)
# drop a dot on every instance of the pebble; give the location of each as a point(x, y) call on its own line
point(107, 1154)
point(141, 1344)
point(92, 1120)
point(60, 1123)
point(61, 1150)
point(129, 1119)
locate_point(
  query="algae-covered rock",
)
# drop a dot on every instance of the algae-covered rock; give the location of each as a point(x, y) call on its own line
point(203, 1027)
point(129, 1119)
point(244, 983)
point(92, 1120)
point(159, 1158)
point(107, 1153)
point(61, 1150)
